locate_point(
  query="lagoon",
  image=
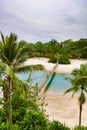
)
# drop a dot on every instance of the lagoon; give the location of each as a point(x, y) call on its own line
point(59, 83)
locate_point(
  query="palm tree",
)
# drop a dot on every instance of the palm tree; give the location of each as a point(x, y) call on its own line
point(79, 84)
point(13, 54)
point(7, 85)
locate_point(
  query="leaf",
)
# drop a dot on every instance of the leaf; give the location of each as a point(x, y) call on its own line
point(70, 90)
point(2, 38)
point(8, 71)
point(30, 68)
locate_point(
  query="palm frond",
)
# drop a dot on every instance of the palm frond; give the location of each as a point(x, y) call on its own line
point(22, 52)
point(23, 86)
point(73, 89)
point(2, 36)
point(6, 70)
point(29, 68)
point(11, 46)
point(79, 79)
point(69, 90)
point(8, 50)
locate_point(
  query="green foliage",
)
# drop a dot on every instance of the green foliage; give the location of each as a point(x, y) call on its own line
point(28, 112)
point(53, 59)
point(64, 60)
point(13, 54)
point(24, 99)
point(80, 128)
point(7, 126)
point(84, 52)
point(79, 84)
point(56, 125)
point(3, 115)
point(34, 121)
point(19, 106)
point(69, 48)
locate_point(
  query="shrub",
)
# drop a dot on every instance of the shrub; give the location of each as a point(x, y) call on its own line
point(80, 128)
point(7, 126)
point(56, 125)
point(64, 60)
point(34, 121)
point(53, 59)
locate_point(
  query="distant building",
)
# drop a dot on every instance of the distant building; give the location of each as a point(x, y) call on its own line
point(62, 45)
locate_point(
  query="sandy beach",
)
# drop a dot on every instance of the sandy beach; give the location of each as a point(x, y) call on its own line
point(65, 109)
point(60, 69)
point(62, 108)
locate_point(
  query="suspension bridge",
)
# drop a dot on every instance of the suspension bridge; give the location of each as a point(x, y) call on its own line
point(50, 76)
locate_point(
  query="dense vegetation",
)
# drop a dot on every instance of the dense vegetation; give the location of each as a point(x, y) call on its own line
point(20, 107)
point(62, 51)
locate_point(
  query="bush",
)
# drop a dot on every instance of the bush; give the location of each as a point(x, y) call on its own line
point(7, 126)
point(56, 125)
point(53, 59)
point(34, 121)
point(64, 60)
point(80, 128)
point(20, 107)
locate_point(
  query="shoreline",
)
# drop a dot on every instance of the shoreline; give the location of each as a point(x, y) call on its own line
point(75, 63)
point(62, 108)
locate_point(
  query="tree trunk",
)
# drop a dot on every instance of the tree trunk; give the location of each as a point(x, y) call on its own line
point(80, 114)
point(10, 99)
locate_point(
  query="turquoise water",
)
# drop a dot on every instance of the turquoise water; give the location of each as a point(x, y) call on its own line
point(59, 82)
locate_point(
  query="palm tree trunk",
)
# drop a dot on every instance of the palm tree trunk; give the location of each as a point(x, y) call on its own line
point(80, 114)
point(10, 99)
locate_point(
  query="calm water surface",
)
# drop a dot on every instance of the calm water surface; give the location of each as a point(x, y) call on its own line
point(59, 82)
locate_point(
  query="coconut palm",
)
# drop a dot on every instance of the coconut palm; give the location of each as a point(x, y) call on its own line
point(13, 54)
point(7, 86)
point(79, 84)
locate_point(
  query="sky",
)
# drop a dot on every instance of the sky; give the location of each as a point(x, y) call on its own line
point(43, 20)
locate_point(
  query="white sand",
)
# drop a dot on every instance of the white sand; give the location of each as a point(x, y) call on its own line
point(60, 69)
point(62, 108)
point(65, 109)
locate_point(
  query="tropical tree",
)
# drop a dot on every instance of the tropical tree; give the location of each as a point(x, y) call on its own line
point(79, 84)
point(13, 54)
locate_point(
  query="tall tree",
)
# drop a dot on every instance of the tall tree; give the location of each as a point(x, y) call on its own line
point(13, 54)
point(79, 84)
